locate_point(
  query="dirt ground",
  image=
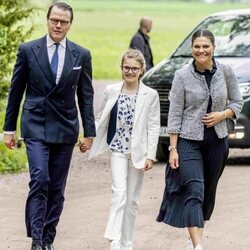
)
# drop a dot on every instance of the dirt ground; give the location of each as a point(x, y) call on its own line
point(87, 203)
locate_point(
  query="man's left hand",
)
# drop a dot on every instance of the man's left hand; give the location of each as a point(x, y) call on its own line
point(85, 144)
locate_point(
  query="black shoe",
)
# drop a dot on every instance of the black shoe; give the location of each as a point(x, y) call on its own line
point(47, 246)
point(35, 246)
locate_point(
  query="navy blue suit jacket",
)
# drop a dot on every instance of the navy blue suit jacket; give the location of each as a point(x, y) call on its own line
point(49, 110)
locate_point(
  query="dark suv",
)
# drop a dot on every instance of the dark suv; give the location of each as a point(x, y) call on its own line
point(232, 38)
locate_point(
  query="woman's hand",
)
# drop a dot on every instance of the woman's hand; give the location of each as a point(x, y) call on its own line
point(211, 119)
point(148, 165)
point(173, 158)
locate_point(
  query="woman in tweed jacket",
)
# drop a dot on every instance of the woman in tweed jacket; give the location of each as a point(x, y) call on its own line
point(204, 94)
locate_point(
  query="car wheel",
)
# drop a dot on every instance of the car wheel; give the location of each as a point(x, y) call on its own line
point(162, 152)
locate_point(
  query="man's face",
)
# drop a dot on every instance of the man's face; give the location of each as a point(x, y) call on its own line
point(58, 24)
point(149, 26)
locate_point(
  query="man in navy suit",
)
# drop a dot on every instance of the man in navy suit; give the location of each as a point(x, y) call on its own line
point(50, 71)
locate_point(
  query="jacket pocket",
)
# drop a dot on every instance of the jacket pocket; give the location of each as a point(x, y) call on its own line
point(188, 124)
point(72, 114)
point(33, 107)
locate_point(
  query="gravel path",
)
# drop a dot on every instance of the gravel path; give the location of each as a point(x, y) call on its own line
point(87, 204)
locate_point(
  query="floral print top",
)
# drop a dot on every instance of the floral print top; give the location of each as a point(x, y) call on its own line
point(124, 124)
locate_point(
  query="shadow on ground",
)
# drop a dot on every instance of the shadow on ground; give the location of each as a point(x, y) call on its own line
point(242, 161)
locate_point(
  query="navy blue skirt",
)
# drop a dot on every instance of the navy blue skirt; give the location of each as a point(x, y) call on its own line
point(190, 190)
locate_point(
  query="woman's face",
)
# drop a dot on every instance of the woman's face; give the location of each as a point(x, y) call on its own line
point(131, 70)
point(202, 50)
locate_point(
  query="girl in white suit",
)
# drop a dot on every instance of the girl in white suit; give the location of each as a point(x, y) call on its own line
point(128, 125)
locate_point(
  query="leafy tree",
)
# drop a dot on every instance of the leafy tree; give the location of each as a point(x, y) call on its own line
point(14, 29)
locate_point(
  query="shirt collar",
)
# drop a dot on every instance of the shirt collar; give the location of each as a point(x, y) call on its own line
point(206, 71)
point(50, 42)
point(144, 35)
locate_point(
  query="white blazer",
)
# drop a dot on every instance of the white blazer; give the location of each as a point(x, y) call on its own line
point(146, 125)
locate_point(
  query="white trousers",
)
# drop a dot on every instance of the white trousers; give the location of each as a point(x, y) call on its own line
point(126, 187)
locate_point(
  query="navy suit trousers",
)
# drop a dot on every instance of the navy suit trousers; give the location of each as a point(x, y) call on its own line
point(48, 165)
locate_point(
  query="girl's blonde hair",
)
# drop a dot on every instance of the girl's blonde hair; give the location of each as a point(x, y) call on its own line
point(138, 56)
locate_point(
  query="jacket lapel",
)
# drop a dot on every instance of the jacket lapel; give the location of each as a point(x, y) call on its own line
point(142, 93)
point(70, 58)
point(216, 77)
point(201, 78)
point(113, 96)
point(41, 54)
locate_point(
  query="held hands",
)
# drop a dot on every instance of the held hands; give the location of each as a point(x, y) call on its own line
point(148, 165)
point(85, 144)
point(211, 119)
point(173, 158)
point(9, 140)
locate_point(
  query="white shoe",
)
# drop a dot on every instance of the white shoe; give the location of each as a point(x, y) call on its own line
point(198, 247)
point(115, 245)
point(190, 245)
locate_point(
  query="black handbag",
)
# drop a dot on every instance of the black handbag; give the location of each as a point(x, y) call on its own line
point(230, 125)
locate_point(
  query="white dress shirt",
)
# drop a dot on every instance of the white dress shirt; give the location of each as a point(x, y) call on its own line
point(61, 52)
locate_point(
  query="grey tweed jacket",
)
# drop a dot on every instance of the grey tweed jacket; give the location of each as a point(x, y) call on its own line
point(189, 98)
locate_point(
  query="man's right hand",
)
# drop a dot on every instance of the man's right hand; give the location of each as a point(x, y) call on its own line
point(9, 140)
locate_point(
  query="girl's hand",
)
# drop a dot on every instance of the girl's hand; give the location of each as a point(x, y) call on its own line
point(148, 165)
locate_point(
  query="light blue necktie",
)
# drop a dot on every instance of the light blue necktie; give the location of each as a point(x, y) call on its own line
point(54, 62)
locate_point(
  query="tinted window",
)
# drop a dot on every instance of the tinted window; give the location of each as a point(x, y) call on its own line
point(232, 36)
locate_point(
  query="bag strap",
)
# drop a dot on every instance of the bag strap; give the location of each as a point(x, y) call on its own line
point(224, 73)
point(229, 120)
point(225, 76)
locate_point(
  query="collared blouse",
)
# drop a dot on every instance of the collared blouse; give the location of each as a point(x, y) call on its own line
point(124, 124)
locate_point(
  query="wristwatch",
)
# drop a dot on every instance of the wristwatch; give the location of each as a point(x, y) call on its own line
point(170, 147)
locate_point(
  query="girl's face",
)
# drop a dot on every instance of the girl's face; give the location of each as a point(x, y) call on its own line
point(202, 50)
point(131, 70)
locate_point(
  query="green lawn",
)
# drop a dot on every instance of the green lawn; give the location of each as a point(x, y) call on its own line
point(106, 27)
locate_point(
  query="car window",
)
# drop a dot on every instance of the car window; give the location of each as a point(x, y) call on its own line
point(232, 36)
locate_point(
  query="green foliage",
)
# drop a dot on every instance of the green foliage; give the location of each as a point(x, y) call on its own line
point(106, 27)
point(12, 161)
point(15, 27)
point(2, 114)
